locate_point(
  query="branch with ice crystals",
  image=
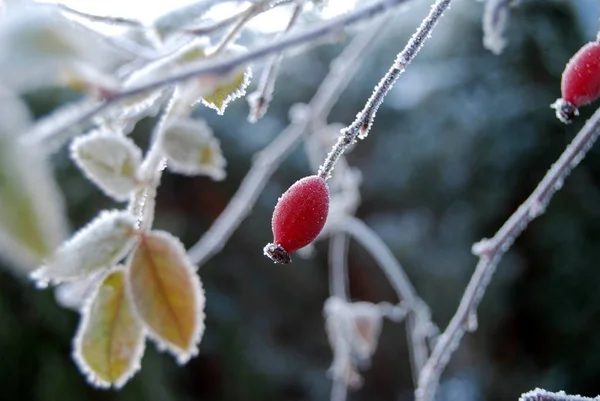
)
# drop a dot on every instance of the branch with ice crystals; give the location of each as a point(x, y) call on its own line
point(57, 128)
point(270, 157)
point(495, 18)
point(542, 395)
point(359, 129)
point(490, 251)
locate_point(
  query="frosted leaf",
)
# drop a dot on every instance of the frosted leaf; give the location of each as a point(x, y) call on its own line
point(191, 149)
point(542, 395)
point(32, 216)
point(230, 89)
point(167, 294)
point(111, 161)
point(74, 294)
point(38, 43)
point(353, 330)
point(495, 18)
point(110, 340)
point(179, 19)
point(189, 54)
point(367, 320)
point(99, 245)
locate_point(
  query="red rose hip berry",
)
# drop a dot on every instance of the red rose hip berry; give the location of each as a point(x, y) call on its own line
point(298, 218)
point(580, 82)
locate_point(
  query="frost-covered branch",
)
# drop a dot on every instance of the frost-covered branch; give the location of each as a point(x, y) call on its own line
point(360, 127)
point(422, 328)
point(271, 157)
point(53, 132)
point(490, 251)
point(543, 395)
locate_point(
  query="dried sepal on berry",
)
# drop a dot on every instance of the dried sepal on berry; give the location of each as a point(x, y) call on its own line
point(580, 82)
point(167, 294)
point(110, 340)
point(109, 160)
point(99, 245)
point(298, 218)
point(192, 149)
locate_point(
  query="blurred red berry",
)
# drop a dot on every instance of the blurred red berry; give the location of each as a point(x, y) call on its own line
point(298, 218)
point(580, 83)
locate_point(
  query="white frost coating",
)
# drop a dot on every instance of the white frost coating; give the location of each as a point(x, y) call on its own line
point(111, 161)
point(495, 18)
point(87, 314)
point(191, 149)
point(73, 295)
point(99, 245)
point(539, 394)
point(182, 356)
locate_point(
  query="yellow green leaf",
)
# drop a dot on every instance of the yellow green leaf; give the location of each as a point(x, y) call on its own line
point(32, 217)
point(167, 293)
point(110, 340)
point(230, 90)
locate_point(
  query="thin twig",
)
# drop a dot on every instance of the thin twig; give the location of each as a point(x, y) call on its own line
point(420, 330)
point(338, 266)
point(105, 19)
point(250, 13)
point(260, 99)
point(43, 135)
point(270, 157)
point(360, 127)
point(490, 251)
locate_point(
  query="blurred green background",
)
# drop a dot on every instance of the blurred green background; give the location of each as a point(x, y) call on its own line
point(460, 142)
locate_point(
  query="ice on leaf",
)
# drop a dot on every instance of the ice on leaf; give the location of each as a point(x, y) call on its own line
point(191, 149)
point(100, 245)
point(109, 160)
point(231, 89)
point(32, 216)
point(167, 294)
point(110, 340)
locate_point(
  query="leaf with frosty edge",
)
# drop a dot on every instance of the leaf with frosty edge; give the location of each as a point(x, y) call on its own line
point(167, 293)
point(32, 215)
point(233, 88)
point(110, 340)
point(191, 149)
point(101, 244)
point(109, 160)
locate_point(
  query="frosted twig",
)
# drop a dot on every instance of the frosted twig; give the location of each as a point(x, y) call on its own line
point(142, 203)
point(260, 99)
point(420, 329)
point(289, 41)
point(51, 131)
point(270, 157)
point(490, 251)
point(105, 19)
point(542, 395)
point(364, 120)
point(338, 275)
point(495, 17)
point(250, 13)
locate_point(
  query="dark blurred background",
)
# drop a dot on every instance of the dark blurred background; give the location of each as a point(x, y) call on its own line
point(460, 142)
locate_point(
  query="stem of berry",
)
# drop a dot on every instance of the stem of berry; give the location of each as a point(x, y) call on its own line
point(364, 120)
